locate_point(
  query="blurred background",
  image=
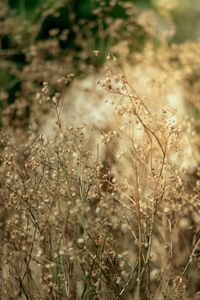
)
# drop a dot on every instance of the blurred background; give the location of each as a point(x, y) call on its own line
point(43, 40)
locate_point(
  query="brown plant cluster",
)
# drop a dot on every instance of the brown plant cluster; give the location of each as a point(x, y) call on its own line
point(99, 199)
point(33, 53)
point(83, 224)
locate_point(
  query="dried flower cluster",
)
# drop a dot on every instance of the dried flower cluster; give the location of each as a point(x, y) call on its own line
point(100, 197)
point(83, 224)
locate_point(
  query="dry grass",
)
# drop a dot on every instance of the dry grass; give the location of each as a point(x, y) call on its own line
point(78, 224)
point(107, 209)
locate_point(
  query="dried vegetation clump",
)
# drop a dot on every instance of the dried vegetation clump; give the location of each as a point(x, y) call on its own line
point(105, 205)
point(78, 222)
point(60, 39)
